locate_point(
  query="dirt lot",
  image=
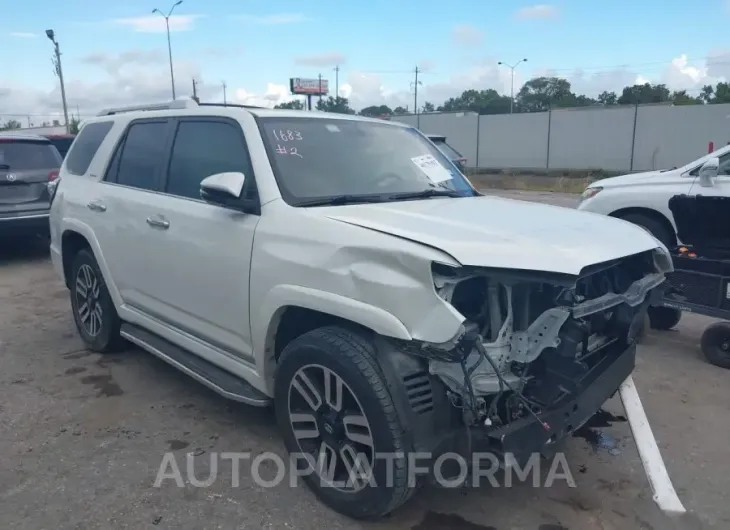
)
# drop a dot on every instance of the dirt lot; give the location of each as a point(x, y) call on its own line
point(82, 438)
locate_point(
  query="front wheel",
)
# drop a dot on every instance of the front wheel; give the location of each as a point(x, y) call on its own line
point(657, 229)
point(664, 318)
point(715, 344)
point(339, 423)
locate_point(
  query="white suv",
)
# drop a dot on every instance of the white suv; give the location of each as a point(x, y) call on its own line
point(343, 270)
point(643, 198)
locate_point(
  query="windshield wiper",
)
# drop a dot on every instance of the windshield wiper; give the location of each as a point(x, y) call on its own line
point(339, 200)
point(424, 194)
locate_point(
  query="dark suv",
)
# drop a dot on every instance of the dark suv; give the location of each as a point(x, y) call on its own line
point(27, 164)
point(62, 142)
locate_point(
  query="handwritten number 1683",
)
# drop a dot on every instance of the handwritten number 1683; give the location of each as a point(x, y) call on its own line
point(287, 136)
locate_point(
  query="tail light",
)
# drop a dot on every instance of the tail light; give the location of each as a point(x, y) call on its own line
point(53, 175)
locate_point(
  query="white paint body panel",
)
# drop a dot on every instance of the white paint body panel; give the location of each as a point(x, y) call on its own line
point(652, 190)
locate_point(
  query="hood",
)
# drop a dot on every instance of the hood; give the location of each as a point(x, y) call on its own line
point(503, 233)
point(633, 178)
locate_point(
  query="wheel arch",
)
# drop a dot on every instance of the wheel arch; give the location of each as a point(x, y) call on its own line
point(647, 212)
point(76, 236)
point(291, 311)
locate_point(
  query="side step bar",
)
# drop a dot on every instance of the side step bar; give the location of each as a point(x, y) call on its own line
point(221, 381)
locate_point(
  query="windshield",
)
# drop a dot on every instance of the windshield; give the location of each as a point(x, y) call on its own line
point(28, 155)
point(317, 158)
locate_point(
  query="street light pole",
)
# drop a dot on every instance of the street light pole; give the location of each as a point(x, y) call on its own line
point(59, 72)
point(512, 86)
point(169, 45)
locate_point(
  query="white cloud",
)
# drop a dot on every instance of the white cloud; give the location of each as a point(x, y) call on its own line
point(23, 35)
point(143, 76)
point(320, 60)
point(156, 23)
point(279, 18)
point(466, 35)
point(538, 11)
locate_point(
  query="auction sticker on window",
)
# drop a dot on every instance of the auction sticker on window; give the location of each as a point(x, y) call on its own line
point(431, 167)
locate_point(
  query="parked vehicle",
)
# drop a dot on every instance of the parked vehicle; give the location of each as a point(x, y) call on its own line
point(27, 164)
point(342, 270)
point(456, 157)
point(700, 282)
point(62, 142)
point(643, 198)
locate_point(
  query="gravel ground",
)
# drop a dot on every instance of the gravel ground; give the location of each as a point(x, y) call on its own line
point(82, 438)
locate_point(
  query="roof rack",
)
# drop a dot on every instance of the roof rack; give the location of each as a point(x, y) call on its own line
point(231, 105)
point(170, 105)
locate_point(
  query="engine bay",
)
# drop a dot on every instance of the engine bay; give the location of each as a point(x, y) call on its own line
point(528, 342)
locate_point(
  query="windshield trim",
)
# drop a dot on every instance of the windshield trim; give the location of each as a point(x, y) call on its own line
point(295, 201)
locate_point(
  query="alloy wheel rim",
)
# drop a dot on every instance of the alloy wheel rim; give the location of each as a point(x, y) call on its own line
point(331, 429)
point(89, 310)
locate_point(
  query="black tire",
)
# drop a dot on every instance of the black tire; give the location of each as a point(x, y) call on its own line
point(664, 318)
point(715, 344)
point(105, 338)
point(352, 358)
point(654, 226)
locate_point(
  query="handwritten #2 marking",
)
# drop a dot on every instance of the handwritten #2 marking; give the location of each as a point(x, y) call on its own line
point(284, 150)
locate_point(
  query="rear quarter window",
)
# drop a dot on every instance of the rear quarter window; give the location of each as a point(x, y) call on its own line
point(28, 155)
point(85, 146)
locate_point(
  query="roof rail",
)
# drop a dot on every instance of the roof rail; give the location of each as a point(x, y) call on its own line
point(170, 105)
point(231, 105)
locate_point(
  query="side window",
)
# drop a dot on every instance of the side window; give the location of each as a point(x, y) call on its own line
point(142, 155)
point(85, 146)
point(724, 165)
point(202, 149)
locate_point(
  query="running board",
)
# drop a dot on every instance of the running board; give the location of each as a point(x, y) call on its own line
point(221, 381)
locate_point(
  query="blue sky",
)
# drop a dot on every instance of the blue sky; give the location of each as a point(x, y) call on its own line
point(251, 44)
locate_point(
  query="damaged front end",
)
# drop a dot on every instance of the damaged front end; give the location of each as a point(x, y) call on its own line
point(539, 354)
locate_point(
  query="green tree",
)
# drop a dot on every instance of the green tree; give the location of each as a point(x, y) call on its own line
point(74, 125)
point(680, 97)
point(722, 93)
point(480, 101)
point(399, 111)
point(541, 93)
point(607, 98)
point(376, 110)
point(10, 124)
point(428, 107)
point(294, 104)
point(643, 94)
point(335, 104)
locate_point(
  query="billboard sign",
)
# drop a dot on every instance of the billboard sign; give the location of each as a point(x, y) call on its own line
point(309, 87)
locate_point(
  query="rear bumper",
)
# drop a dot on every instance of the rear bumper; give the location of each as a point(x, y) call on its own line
point(24, 223)
point(526, 436)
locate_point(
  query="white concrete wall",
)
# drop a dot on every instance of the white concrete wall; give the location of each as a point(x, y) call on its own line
point(589, 138)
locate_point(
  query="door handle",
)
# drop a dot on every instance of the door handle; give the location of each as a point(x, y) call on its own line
point(158, 223)
point(96, 206)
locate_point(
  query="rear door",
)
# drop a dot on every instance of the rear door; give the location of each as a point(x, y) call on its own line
point(26, 167)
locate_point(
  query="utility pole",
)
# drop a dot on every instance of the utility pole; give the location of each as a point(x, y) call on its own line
point(169, 45)
point(225, 101)
point(337, 81)
point(59, 72)
point(415, 83)
point(512, 84)
point(320, 88)
point(195, 91)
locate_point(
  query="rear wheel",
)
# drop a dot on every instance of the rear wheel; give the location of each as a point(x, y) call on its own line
point(654, 226)
point(339, 423)
point(715, 344)
point(96, 317)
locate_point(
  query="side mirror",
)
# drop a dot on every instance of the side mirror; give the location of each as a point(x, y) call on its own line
point(223, 189)
point(708, 172)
